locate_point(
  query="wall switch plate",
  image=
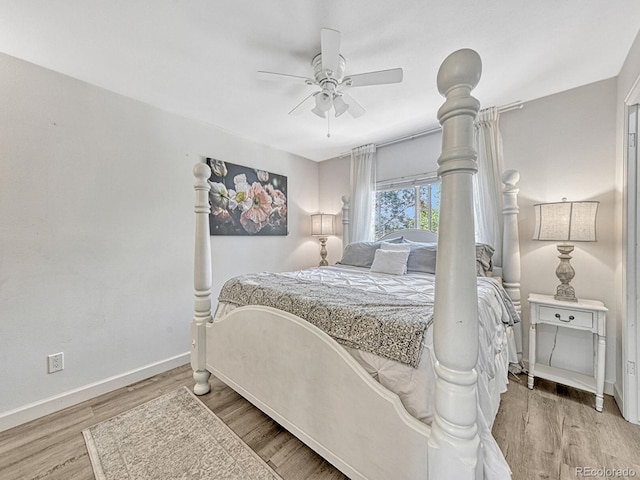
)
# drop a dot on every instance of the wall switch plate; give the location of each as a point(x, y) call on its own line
point(56, 362)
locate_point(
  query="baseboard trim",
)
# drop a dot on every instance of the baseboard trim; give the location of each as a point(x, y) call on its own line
point(618, 397)
point(32, 411)
point(610, 388)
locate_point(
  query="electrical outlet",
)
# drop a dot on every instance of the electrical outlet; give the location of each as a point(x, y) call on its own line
point(56, 362)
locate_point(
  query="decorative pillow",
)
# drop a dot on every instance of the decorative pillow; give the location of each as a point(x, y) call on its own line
point(361, 254)
point(389, 261)
point(484, 265)
point(422, 257)
point(396, 247)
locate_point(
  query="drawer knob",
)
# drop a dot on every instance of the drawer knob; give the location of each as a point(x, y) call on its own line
point(557, 315)
point(571, 317)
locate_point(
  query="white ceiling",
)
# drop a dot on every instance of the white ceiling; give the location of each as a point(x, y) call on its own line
point(199, 58)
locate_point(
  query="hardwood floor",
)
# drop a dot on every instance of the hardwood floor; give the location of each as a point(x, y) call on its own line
point(545, 433)
point(552, 430)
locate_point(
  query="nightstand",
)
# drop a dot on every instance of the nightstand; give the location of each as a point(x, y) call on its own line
point(589, 315)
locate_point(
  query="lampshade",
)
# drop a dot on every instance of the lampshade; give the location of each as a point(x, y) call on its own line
point(340, 106)
point(318, 112)
point(324, 101)
point(322, 224)
point(566, 221)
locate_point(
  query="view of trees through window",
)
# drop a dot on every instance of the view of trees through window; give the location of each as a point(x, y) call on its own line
point(410, 207)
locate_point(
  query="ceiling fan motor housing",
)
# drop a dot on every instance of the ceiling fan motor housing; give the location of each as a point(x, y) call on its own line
point(327, 76)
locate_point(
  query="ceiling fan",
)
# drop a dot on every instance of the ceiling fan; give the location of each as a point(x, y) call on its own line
point(328, 74)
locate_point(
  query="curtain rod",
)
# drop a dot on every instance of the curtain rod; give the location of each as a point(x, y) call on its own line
point(504, 108)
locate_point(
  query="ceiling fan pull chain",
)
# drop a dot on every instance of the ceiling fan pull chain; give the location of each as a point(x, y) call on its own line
point(328, 120)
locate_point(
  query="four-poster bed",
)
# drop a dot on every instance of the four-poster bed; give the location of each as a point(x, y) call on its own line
point(306, 381)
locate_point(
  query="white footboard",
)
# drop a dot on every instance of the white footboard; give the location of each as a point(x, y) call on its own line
point(301, 378)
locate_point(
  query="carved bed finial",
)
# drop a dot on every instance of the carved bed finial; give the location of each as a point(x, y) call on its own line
point(462, 68)
point(201, 171)
point(510, 178)
point(458, 75)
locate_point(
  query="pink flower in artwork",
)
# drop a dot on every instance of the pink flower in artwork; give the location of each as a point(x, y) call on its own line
point(222, 220)
point(222, 214)
point(278, 200)
point(257, 216)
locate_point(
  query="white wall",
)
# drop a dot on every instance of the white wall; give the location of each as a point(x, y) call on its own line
point(333, 179)
point(564, 146)
point(96, 230)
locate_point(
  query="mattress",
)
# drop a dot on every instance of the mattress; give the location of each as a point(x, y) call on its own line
point(415, 386)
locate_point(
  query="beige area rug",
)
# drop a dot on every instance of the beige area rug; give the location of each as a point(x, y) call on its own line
point(172, 437)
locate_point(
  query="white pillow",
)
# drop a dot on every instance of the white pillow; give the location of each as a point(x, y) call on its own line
point(389, 261)
point(396, 247)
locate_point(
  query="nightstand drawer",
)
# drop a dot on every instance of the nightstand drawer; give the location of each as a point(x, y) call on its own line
point(561, 316)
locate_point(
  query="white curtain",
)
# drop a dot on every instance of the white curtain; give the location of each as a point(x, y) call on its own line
point(363, 189)
point(488, 182)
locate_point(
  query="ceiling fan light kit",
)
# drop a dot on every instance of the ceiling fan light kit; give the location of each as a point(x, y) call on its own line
point(339, 105)
point(328, 73)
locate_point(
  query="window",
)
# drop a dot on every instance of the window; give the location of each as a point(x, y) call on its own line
point(413, 203)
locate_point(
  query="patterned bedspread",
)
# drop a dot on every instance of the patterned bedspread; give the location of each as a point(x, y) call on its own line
point(382, 314)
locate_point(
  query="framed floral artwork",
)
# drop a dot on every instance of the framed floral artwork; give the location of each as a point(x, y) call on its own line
point(246, 201)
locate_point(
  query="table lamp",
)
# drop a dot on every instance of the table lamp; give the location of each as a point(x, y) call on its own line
point(565, 222)
point(322, 227)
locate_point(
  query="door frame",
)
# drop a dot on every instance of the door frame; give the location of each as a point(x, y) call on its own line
point(631, 234)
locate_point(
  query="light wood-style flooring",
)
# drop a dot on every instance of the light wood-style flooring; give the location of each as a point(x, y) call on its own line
point(552, 430)
point(545, 433)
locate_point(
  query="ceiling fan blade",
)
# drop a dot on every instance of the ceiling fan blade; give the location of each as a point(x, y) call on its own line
point(381, 77)
point(298, 108)
point(355, 109)
point(272, 76)
point(330, 49)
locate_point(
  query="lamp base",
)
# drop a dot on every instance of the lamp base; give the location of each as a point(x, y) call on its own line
point(566, 293)
point(565, 273)
point(323, 251)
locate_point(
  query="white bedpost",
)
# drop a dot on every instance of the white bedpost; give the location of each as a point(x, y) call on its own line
point(454, 444)
point(346, 220)
point(201, 280)
point(511, 247)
